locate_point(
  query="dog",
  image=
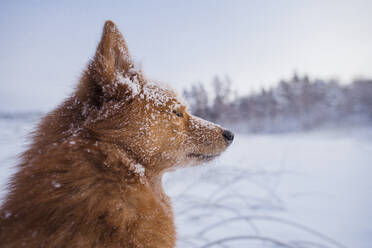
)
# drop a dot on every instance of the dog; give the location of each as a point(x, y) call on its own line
point(92, 175)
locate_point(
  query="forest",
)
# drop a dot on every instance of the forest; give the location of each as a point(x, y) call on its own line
point(296, 104)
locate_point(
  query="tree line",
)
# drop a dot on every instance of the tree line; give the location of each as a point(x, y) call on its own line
point(298, 103)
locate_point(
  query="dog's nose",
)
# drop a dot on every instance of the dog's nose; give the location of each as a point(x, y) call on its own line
point(228, 135)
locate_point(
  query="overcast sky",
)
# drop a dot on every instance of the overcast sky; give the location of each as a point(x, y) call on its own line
point(44, 45)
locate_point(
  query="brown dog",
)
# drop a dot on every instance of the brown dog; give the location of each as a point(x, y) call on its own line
point(92, 176)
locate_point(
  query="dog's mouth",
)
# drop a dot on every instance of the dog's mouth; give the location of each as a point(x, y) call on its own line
point(204, 157)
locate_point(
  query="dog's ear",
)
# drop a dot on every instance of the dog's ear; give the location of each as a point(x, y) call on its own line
point(112, 55)
point(112, 68)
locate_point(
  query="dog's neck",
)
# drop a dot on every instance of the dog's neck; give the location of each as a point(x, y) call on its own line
point(119, 160)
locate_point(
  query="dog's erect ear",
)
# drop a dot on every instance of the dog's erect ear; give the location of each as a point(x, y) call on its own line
point(112, 69)
point(112, 54)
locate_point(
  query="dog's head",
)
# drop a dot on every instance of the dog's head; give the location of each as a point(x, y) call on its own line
point(146, 120)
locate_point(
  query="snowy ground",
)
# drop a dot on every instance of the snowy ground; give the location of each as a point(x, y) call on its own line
point(295, 190)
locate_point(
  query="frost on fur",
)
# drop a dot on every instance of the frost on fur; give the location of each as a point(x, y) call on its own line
point(138, 169)
point(132, 84)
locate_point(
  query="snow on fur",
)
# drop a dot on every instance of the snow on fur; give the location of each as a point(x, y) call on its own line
point(133, 84)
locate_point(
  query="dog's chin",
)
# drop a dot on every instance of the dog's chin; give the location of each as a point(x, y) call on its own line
point(200, 157)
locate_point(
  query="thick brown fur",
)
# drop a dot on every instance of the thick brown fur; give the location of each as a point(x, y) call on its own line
point(92, 175)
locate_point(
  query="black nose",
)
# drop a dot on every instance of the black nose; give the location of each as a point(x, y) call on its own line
point(228, 135)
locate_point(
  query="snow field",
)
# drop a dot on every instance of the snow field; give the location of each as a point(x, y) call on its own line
point(290, 190)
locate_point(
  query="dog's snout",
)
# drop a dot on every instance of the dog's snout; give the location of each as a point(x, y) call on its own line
point(228, 135)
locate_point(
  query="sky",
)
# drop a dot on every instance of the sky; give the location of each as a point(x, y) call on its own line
point(45, 45)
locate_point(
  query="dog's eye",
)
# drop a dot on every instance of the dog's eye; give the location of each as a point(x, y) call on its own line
point(179, 114)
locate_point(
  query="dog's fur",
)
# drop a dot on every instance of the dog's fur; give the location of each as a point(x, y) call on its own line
point(92, 176)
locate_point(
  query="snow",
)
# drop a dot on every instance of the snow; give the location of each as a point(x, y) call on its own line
point(266, 185)
point(157, 95)
point(139, 169)
point(56, 184)
point(133, 84)
point(160, 94)
point(197, 123)
point(287, 188)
